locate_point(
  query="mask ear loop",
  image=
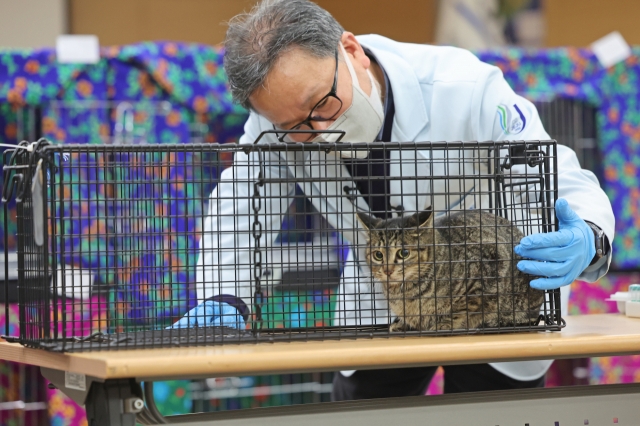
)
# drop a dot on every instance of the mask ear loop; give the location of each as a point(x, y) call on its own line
point(352, 71)
point(375, 90)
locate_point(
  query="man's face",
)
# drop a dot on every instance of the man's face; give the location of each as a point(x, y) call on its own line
point(299, 80)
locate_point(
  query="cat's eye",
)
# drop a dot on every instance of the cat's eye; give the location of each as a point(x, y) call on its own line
point(377, 255)
point(403, 254)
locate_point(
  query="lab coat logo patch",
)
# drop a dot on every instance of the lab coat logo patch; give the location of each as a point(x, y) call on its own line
point(512, 120)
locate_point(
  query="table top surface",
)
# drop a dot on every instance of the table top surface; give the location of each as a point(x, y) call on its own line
point(584, 336)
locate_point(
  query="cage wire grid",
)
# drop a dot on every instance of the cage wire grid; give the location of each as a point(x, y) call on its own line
point(129, 236)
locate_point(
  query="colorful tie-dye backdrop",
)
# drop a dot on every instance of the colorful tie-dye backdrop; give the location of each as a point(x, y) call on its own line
point(191, 78)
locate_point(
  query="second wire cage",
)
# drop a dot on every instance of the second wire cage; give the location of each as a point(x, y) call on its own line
point(117, 243)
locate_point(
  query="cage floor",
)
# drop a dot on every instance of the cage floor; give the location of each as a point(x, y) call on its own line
point(208, 336)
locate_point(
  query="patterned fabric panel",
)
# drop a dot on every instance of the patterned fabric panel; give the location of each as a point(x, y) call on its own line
point(178, 94)
point(303, 309)
point(191, 74)
point(158, 217)
point(22, 383)
point(589, 298)
point(8, 135)
point(81, 227)
point(72, 99)
point(31, 77)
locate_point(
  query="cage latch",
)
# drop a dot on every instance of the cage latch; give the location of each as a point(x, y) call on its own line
point(10, 184)
point(530, 155)
point(14, 172)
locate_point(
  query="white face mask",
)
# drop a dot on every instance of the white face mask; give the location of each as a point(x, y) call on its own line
point(362, 121)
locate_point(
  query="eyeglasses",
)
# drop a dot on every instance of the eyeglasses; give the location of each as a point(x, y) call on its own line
point(325, 110)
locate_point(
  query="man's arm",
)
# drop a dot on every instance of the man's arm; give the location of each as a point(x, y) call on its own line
point(507, 116)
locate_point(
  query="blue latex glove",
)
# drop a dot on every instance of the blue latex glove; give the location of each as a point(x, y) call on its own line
point(560, 256)
point(211, 314)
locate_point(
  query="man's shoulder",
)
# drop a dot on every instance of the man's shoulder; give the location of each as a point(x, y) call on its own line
point(431, 64)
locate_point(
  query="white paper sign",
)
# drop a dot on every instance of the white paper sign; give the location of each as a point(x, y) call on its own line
point(75, 381)
point(611, 49)
point(78, 49)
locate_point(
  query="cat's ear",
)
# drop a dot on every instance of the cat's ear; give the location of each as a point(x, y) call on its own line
point(367, 221)
point(424, 218)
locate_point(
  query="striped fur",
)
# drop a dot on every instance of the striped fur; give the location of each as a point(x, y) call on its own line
point(459, 274)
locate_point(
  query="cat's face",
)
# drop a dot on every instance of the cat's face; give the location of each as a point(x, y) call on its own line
point(398, 250)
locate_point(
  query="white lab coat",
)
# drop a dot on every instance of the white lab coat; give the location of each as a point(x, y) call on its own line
point(440, 94)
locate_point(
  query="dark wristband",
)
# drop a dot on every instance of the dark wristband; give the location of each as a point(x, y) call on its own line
point(601, 243)
point(234, 301)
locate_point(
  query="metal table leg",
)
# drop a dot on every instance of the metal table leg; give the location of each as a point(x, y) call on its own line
point(114, 402)
point(108, 403)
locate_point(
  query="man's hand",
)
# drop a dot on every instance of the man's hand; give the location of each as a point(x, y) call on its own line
point(211, 314)
point(559, 256)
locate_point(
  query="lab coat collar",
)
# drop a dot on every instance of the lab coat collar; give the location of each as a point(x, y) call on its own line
point(411, 112)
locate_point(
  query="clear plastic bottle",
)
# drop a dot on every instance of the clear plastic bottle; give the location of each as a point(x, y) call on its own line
point(634, 292)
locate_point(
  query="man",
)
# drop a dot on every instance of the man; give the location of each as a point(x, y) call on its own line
point(294, 67)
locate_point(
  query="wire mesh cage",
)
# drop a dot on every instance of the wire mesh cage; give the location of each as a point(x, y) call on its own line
point(410, 239)
point(113, 122)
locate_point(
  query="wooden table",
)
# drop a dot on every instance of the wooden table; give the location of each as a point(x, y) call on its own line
point(584, 336)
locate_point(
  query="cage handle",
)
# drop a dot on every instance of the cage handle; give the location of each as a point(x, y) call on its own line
point(10, 185)
point(284, 133)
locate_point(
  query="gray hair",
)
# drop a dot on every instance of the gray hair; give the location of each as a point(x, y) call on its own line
point(255, 41)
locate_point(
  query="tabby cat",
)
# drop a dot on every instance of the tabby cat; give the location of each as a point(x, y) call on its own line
point(459, 274)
